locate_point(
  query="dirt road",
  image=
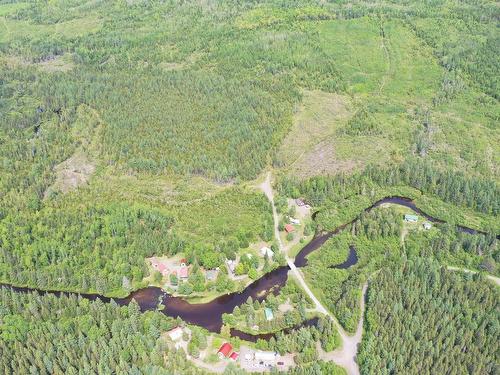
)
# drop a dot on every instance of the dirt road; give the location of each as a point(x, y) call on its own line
point(345, 356)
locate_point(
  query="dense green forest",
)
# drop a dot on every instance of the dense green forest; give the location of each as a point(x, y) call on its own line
point(133, 128)
point(68, 335)
point(423, 319)
point(381, 238)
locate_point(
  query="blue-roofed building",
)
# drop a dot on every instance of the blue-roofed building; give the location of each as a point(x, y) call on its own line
point(269, 313)
point(411, 218)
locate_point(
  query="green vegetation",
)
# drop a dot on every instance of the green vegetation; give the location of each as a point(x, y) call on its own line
point(446, 313)
point(463, 200)
point(382, 239)
point(133, 129)
point(68, 335)
point(252, 313)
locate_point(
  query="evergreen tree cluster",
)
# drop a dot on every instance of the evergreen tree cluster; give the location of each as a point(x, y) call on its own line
point(84, 248)
point(48, 334)
point(424, 319)
point(479, 193)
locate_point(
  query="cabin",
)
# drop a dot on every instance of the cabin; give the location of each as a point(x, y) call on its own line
point(289, 228)
point(175, 334)
point(269, 314)
point(225, 350)
point(411, 218)
point(234, 356)
point(427, 225)
point(183, 272)
point(267, 251)
point(294, 221)
point(211, 275)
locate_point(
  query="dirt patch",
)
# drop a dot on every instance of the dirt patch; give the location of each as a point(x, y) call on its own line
point(168, 66)
point(61, 63)
point(308, 149)
point(322, 159)
point(71, 173)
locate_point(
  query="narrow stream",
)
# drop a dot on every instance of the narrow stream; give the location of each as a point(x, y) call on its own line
point(209, 315)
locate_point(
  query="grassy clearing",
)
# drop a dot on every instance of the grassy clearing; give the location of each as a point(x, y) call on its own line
point(6, 9)
point(388, 73)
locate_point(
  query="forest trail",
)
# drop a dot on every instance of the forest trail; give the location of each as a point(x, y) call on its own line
point(495, 279)
point(345, 356)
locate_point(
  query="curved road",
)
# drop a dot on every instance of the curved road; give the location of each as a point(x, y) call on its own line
point(345, 356)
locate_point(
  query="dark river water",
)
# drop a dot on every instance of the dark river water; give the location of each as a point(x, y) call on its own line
point(209, 315)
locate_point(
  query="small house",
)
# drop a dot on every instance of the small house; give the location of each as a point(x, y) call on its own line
point(211, 275)
point(269, 314)
point(427, 225)
point(175, 334)
point(183, 272)
point(225, 350)
point(234, 356)
point(411, 218)
point(299, 202)
point(294, 221)
point(289, 228)
point(267, 251)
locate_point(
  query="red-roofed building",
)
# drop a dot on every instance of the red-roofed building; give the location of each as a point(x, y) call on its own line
point(224, 350)
point(234, 356)
point(289, 228)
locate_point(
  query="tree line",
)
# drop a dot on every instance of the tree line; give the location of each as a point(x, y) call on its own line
point(479, 193)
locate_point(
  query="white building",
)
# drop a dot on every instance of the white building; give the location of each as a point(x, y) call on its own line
point(175, 334)
point(294, 221)
point(265, 250)
point(265, 356)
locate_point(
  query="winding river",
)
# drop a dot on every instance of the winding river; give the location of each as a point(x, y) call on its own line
point(209, 315)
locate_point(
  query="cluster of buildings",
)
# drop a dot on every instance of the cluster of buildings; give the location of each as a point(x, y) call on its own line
point(181, 270)
point(226, 351)
point(410, 218)
point(257, 360)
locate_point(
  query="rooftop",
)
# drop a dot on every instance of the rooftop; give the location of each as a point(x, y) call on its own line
point(225, 349)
